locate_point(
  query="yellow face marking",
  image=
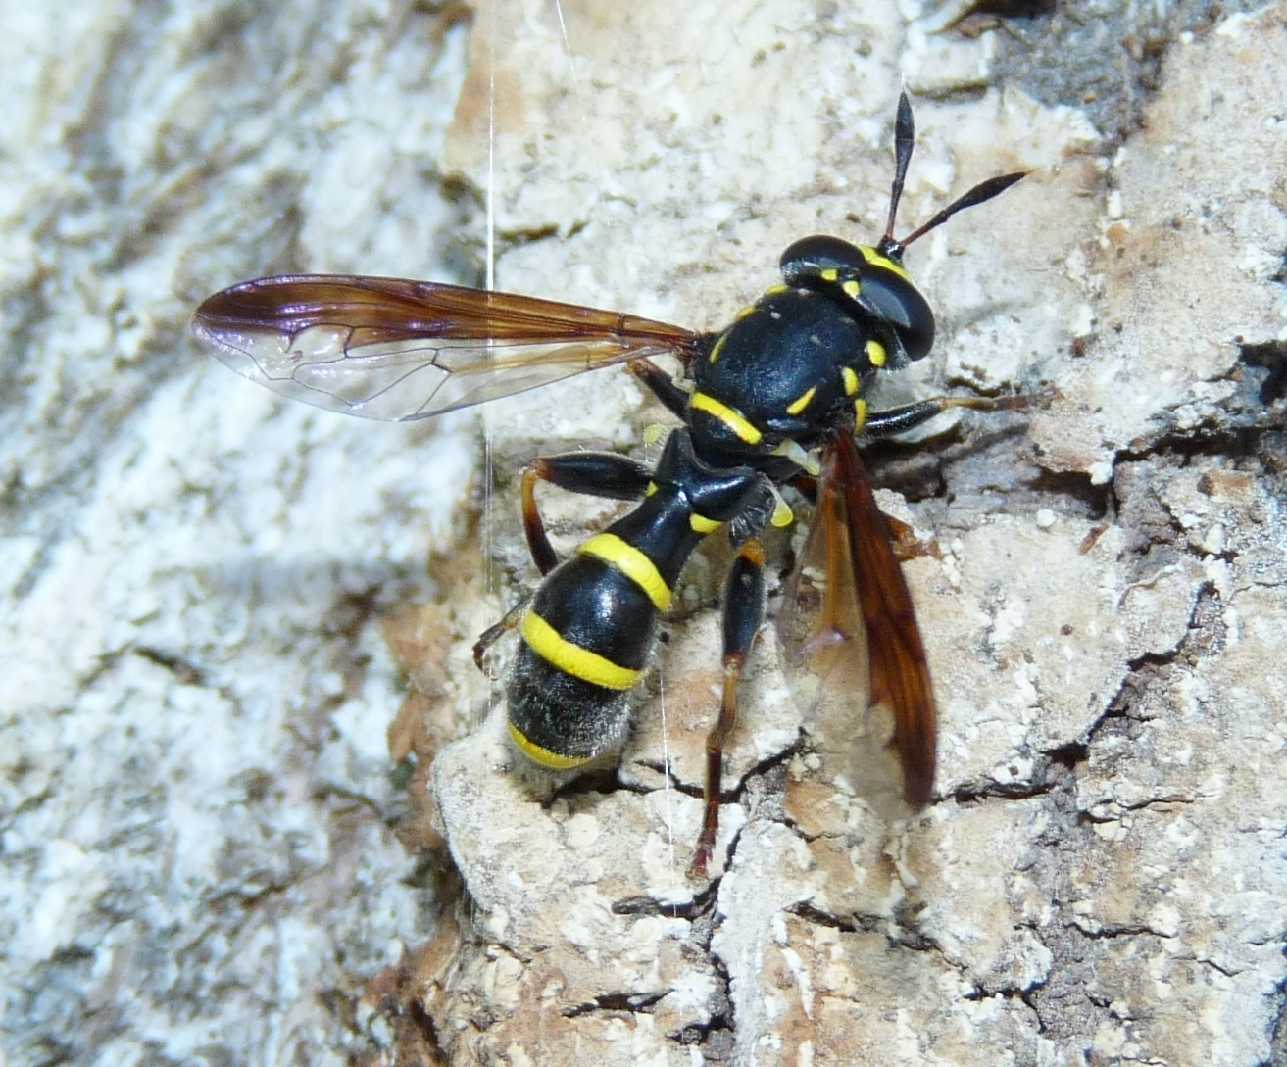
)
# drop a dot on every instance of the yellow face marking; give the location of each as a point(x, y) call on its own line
point(652, 488)
point(876, 353)
point(745, 312)
point(572, 659)
point(797, 406)
point(719, 347)
point(634, 564)
point(852, 382)
point(782, 515)
point(851, 289)
point(860, 413)
point(702, 525)
point(877, 260)
point(734, 420)
point(829, 274)
point(773, 290)
point(554, 760)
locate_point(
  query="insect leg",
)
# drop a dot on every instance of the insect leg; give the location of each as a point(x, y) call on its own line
point(896, 420)
point(744, 599)
point(602, 474)
point(662, 386)
point(497, 630)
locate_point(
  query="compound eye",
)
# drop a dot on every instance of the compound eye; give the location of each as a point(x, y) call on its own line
point(899, 303)
point(809, 255)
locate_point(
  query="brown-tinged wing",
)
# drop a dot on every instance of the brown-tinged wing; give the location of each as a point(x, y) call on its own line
point(848, 616)
point(391, 348)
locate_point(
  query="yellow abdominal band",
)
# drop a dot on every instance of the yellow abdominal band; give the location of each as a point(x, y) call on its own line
point(554, 760)
point(579, 662)
point(632, 563)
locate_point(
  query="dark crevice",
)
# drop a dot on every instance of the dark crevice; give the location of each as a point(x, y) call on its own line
point(1025, 994)
point(1070, 755)
point(716, 1036)
point(894, 929)
point(635, 1003)
point(424, 1026)
point(856, 923)
point(600, 781)
point(1005, 9)
point(1277, 1028)
point(994, 790)
point(1109, 933)
point(1095, 501)
point(726, 796)
point(1280, 275)
point(185, 671)
point(700, 905)
point(1208, 439)
point(1206, 961)
point(1272, 357)
point(1053, 773)
point(1142, 669)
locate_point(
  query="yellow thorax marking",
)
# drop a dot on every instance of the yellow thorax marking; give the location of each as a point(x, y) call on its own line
point(852, 382)
point(774, 290)
point(876, 353)
point(798, 405)
point(554, 760)
point(851, 289)
point(702, 525)
point(860, 413)
point(719, 347)
point(579, 662)
point(877, 260)
point(828, 274)
point(631, 562)
point(734, 420)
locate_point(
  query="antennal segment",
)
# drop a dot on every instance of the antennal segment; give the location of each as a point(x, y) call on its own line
point(904, 142)
point(982, 192)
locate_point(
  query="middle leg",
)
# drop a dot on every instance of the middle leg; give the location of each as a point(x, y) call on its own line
point(744, 604)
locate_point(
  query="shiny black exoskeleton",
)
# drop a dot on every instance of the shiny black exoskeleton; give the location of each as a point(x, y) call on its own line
point(790, 370)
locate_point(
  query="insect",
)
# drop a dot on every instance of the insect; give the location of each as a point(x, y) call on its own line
point(776, 397)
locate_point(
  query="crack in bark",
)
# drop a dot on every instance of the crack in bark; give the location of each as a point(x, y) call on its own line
point(1113, 931)
point(184, 670)
point(634, 1003)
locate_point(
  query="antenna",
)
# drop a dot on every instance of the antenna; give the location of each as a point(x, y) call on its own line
point(904, 142)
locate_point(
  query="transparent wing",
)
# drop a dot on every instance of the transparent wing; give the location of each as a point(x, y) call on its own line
point(390, 348)
point(848, 621)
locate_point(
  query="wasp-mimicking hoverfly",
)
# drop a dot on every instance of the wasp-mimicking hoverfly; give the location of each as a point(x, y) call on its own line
point(777, 397)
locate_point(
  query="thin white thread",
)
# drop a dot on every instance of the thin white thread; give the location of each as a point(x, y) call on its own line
point(665, 762)
point(567, 44)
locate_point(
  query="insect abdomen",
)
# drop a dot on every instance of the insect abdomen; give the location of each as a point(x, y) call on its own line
point(585, 641)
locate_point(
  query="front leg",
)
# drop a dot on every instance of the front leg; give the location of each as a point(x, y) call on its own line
point(744, 603)
point(897, 420)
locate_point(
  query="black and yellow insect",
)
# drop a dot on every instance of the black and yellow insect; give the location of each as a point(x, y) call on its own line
point(777, 397)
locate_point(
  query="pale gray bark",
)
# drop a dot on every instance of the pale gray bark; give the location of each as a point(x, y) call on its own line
point(205, 856)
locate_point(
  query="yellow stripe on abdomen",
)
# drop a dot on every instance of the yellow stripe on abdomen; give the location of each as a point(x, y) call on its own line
point(572, 659)
point(631, 562)
point(554, 760)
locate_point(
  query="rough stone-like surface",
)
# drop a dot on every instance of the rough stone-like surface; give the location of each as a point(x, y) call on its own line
point(198, 856)
point(218, 818)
